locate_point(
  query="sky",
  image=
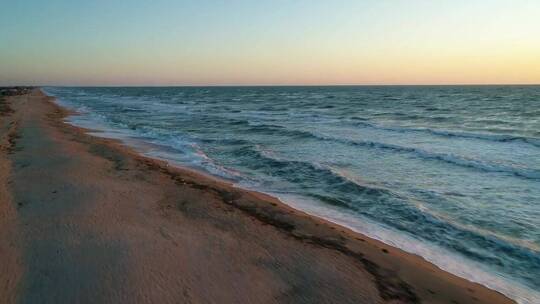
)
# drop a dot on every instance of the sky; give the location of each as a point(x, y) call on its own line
point(295, 42)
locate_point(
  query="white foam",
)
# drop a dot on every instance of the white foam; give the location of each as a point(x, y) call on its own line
point(440, 257)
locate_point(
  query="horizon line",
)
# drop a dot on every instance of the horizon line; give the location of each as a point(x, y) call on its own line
point(273, 85)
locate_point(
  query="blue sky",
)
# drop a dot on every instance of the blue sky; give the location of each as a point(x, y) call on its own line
point(269, 42)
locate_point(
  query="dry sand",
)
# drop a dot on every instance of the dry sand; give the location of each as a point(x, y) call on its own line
point(87, 220)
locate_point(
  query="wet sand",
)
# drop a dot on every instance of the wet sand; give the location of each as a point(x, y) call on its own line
point(87, 220)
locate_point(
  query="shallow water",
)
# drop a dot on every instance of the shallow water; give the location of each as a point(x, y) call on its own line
point(450, 173)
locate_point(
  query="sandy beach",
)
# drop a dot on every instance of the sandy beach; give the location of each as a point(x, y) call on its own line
point(87, 220)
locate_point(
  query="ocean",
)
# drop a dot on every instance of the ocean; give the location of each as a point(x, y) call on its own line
point(451, 173)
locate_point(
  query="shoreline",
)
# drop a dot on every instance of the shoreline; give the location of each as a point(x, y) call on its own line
point(397, 276)
point(438, 256)
point(348, 223)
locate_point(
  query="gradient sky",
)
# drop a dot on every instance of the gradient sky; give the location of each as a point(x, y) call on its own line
point(160, 42)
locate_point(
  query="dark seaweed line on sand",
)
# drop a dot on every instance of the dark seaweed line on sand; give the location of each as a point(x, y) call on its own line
point(5, 107)
point(389, 286)
point(11, 135)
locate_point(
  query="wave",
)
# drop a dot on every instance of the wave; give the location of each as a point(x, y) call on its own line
point(459, 134)
point(391, 209)
point(445, 157)
point(274, 129)
point(448, 158)
point(307, 174)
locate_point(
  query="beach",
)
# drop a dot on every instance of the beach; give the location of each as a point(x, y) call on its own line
point(88, 220)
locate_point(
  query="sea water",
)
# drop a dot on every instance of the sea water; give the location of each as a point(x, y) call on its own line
point(451, 173)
